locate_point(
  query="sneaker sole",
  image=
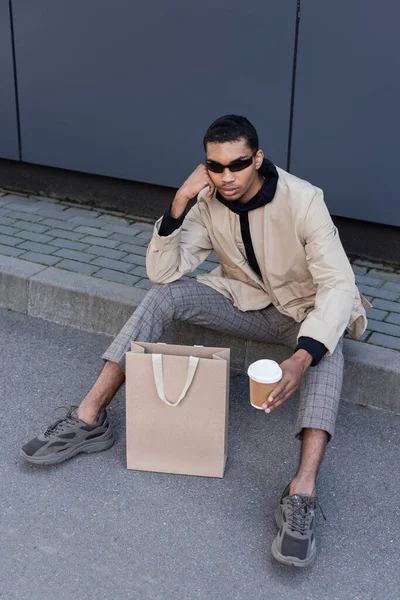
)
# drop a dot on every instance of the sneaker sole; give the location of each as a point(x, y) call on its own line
point(291, 561)
point(88, 446)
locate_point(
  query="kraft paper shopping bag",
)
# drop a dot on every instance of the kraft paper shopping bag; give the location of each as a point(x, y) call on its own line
point(177, 408)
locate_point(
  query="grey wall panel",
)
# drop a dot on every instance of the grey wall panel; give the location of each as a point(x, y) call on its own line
point(8, 112)
point(346, 127)
point(127, 89)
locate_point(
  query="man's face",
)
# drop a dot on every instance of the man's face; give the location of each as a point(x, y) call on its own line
point(234, 185)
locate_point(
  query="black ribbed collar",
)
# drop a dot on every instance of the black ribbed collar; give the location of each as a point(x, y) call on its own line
point(263, 196)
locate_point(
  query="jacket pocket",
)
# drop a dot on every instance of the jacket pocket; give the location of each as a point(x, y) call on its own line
point(295, 291)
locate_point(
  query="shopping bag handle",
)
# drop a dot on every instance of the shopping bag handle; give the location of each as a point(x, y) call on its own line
point(159, 378)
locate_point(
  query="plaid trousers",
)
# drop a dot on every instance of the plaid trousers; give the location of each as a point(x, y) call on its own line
point(194, 302)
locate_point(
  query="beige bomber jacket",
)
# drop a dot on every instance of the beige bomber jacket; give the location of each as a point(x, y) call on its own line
point(305, 271)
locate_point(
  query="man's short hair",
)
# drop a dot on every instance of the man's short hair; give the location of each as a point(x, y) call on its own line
point(231, 128)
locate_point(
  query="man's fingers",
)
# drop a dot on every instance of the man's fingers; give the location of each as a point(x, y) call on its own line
point(279, 402)
point(274, 398)
point(276, 393)
point(286, 393)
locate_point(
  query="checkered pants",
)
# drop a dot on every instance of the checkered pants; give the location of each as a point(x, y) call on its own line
point(194, 302)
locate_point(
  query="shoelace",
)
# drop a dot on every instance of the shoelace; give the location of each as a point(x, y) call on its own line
point(57, 426)
point(301, 507)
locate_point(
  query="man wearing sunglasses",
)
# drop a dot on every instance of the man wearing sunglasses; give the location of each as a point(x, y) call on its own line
point(283, 277)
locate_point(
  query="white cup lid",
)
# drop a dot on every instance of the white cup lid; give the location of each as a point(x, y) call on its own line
point(265, 371)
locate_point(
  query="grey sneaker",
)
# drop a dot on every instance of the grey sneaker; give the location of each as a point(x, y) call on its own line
point(295, 543)
point(69, 436)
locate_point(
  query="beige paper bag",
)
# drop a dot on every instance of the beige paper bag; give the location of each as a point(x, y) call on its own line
point(177, 408)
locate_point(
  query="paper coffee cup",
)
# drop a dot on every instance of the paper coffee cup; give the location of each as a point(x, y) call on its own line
point(264, 375)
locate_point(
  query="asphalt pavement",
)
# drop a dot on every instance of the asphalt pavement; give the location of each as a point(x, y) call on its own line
point(89, 528)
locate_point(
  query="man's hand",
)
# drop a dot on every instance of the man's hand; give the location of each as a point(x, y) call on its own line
point(192, 186)
point(292, 370)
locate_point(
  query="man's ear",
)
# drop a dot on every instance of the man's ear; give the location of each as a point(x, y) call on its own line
point(259, 158)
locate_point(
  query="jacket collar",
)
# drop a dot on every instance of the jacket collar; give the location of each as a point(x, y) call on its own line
point(264, 195)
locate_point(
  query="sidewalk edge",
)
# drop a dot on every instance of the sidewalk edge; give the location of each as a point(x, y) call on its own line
point(372, 374)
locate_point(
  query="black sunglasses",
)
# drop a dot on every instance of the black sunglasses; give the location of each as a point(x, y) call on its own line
point(238, 165)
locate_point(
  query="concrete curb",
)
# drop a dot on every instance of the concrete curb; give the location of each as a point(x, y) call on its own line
point(372, 374)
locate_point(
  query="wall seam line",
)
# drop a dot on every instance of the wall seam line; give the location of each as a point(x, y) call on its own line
point(15, 80)
point(293, 91)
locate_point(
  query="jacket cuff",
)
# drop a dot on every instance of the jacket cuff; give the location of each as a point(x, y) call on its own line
point(169, 224)
point(315, 348)
point(164, 243)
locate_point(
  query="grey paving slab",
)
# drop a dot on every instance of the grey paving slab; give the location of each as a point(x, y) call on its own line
point(34, 237)
point(87, 221)
point(129, 230)
point(97, 530)
point(373, 265)
point(53, 213)
point(143, 239)
point(108, 263)
point(107, 252)
point(73, 255)
point(213, 258)
point(6, 220)
point(35, 247)
point(77, 211)
point(365, 336)
point(43, 259)
point(135, 259)
point(21, 198)
point(92, 231)
point(78, 267)
point(27, 226)
point(145, 284)
point(139, 271)
point(71, 244)
point(371, 281)
point(9, 240)
point(128, 239)
point(133, 249)
point(58, 224)
point(391, 285)
point(359, 270)
point(117, 276)
point(112, 218)
point(144, 226)
point(375, 313)
point(386, 305)
point(384, 327)
point(387, 341)
point(8, 230)
point(378, 292)
point(65, 233)
point(387, 276)
point(197, 272)
point(31, 217)
point(208, 265)
point(10, 250)
point(96, 241)
point(393, 318)
point(24, 208)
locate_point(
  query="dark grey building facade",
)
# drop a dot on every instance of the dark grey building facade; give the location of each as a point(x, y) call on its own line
point(126, 89)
